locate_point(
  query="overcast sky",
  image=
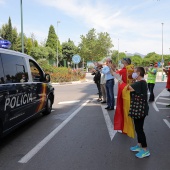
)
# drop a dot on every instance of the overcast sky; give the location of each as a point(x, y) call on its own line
point(136, 23)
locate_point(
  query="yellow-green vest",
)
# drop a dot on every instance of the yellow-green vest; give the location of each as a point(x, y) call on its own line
point(151, 77)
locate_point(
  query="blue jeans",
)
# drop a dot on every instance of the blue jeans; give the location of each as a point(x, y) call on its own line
point(110, 93)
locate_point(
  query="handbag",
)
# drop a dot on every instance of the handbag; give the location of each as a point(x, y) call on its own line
point(138, 106)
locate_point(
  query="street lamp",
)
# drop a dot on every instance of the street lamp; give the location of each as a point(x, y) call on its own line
point(162, 53)
point(22, 37)
point(57, 41)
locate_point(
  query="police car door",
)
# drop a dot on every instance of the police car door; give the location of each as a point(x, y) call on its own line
point(40, 88)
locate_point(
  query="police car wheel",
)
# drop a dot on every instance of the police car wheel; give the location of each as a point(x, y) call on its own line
point(48, 107)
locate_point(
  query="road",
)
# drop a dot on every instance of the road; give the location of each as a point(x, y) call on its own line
point(79, 135)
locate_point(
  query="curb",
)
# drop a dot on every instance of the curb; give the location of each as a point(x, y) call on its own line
point(73, 82)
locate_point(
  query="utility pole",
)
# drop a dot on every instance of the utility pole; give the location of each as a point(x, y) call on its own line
point(22, 36)
point(162, 54)
point(57, 41)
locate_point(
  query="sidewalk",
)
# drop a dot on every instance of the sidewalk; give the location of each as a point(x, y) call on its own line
point(89, 79)
point(73, 82)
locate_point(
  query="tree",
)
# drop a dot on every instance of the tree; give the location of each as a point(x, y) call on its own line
point(166, 59)
point(53, 41)
point(87, 45)
point(52, 38)
point(35, 53)
point(103, 45)
point(151, 58)
point(93, 46)
point(29, 45)
point(40, 52)
point(14, 39)
point(9, 31)
point(137, 60)
point(68, 50)
point(18, 41)
point(115, 56)
point(34, 41)
point(4, 31)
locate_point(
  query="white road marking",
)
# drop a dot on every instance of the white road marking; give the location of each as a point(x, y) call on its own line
point(154, 106)
point(40, 145)
point(109, 123)
point(68, 102)
point(167, 123)
point(164, 98)
point(163, 108)
point(163, 94)
point(162, 103)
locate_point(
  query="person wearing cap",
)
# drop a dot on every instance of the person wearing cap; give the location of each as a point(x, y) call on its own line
point(152, 71)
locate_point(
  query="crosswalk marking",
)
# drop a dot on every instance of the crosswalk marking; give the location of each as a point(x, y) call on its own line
point(164, 98)
point(162, 103)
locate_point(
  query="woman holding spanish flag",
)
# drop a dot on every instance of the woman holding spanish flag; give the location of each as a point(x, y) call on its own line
point(121, 119)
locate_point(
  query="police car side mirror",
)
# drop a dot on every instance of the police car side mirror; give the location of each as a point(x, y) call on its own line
point(47, 78)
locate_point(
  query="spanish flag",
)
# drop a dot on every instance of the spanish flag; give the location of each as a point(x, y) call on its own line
point(121, 119)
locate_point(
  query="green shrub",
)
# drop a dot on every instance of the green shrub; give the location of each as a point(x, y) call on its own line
point(62, 74)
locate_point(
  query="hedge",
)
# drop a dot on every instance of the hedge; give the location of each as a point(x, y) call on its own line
point(62, 74)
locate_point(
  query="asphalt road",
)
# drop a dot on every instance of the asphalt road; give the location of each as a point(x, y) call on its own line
point(78, 135)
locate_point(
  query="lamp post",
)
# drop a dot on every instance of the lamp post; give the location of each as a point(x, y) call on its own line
point(57, 41)
point(22, 37)
point(162, 53)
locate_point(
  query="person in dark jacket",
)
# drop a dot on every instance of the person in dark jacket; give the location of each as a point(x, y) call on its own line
point(97, 76)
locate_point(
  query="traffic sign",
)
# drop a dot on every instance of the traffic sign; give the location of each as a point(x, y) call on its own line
point(76, 59)
point(159, 64)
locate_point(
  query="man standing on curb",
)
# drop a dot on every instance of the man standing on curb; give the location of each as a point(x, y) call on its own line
point(152, 71)
point(109, 85)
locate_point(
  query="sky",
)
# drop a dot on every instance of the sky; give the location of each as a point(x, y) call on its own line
point(133, 25)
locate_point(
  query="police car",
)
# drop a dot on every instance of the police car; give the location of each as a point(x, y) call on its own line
point(25, 90)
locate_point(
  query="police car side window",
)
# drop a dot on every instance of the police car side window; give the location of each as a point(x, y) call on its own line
point(14, 69)
point(1, 73)
point(35, 71)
